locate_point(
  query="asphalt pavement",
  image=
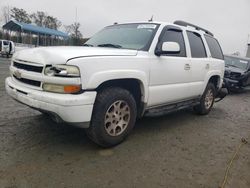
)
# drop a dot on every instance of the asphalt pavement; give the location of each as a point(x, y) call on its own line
point(179, 150)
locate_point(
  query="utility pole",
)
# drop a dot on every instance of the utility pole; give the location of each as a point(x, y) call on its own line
point(248, 45)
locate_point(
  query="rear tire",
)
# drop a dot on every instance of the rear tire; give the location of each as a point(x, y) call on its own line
point(113, 117)
point(207, 100)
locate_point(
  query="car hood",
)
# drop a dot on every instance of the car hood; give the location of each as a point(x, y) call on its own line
point(60, 55)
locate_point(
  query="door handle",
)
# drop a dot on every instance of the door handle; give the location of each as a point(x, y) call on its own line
point(187, 67)
point(207, 66)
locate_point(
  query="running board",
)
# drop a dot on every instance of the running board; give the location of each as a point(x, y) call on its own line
point(165, 109)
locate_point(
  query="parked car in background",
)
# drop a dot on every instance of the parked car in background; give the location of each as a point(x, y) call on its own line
point(7, 48)
point(237, 72)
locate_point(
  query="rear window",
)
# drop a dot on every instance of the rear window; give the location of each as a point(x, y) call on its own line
point(197, 46)
point(214, 47)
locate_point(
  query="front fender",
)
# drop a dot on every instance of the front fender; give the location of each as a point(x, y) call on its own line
point(98, 78)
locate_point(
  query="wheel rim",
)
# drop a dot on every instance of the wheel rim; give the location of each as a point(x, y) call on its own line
point(117, 118)
point(209, 98)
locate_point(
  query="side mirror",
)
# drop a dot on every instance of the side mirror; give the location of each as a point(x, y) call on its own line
point(167, 48)
point(170, 47)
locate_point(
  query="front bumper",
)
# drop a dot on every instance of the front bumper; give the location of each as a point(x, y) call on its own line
point(73, 109)
point(230, 83)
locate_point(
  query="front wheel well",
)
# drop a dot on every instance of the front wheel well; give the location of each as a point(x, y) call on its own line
point(215, 80)
point(134, 86)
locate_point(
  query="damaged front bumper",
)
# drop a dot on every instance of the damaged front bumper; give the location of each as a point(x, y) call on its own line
point(230, 83)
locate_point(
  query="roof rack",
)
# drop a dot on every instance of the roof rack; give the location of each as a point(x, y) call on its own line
point(185, 24)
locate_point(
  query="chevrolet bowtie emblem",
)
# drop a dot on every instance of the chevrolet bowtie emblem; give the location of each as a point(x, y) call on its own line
point(17, 74)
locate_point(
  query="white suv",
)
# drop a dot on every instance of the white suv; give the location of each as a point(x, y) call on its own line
point(122, 73)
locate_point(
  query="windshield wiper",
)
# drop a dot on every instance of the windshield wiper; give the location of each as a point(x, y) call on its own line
point(89, 45)
point(233, 66)
point(110, 45)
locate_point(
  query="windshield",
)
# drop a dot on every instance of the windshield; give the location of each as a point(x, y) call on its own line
point(126, 36)
point(236, 62)
point(5, 42)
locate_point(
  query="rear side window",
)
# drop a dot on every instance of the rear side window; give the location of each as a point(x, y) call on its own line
point(214, 47)
point(175, 36)
point(197, 46)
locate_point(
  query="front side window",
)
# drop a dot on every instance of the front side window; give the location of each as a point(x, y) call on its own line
point(172, 35)
point(196, 44)
point(214, 47)
point(125, 36)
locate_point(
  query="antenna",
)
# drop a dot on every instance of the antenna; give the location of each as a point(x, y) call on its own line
point(8, 12)
point(151, 19)
point(76, 15)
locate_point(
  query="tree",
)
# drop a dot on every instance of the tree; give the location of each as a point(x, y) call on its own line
point(38, 18)
point(42, 19)
point(236, 53)
point(20, 15)
point(75, 34)
point(73, 30)
point(52, 22)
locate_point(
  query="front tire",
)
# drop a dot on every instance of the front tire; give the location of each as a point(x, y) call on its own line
point(207, 100)
point(113, 118)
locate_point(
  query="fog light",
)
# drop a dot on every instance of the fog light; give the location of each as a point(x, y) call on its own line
point(56, 88)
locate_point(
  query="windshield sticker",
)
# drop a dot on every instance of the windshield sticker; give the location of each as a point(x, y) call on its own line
point(146, 26)
point(245, 62)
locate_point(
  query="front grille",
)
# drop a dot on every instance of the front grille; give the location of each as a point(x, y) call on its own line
point(227, 74)
point(27, 81)
point(235, 75)
point(28, 67)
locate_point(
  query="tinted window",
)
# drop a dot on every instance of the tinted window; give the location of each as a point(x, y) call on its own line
point(6, 42)
point(175, 36)
point(196, 45)
point(214, 47)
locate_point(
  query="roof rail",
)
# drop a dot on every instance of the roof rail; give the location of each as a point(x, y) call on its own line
point(185, 24)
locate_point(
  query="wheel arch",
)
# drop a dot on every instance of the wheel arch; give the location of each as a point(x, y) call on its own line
point(134, 85)
point(216, 78)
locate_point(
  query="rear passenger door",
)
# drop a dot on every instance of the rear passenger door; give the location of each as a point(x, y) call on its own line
point(199, 61)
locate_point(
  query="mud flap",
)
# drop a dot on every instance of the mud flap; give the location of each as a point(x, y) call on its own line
point(222, 93)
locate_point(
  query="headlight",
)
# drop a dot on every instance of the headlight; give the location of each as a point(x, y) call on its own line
point(56, 88)
point(62, 70)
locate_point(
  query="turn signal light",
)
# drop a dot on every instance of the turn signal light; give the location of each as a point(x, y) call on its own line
point(72, 89)
point(56, 88)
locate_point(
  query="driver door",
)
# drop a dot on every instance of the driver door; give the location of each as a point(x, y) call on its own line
point(171, 74)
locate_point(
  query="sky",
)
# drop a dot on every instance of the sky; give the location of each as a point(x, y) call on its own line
point(229, 20)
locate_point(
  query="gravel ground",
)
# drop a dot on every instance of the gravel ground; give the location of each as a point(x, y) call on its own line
point(177, 150)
